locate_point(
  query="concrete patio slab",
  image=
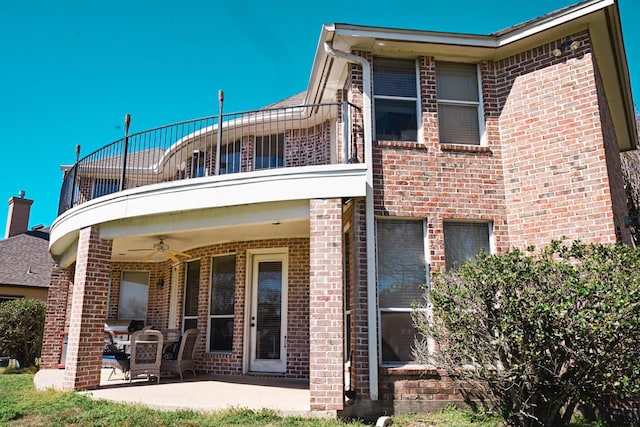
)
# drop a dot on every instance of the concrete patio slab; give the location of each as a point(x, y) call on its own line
point(200, 393)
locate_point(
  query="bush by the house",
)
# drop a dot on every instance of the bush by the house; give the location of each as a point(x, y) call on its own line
point(540, 334)
point(21, 328)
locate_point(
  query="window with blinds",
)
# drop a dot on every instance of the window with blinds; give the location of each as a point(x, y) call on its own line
point(395, 90)
point(402, 277)
point(458, 103)
point(464, 240)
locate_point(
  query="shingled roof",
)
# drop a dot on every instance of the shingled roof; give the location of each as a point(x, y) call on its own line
point(25, 259)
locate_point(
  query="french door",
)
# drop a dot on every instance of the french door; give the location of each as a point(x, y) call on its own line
point(268, 314)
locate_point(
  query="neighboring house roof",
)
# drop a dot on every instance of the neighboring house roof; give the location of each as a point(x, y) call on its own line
point(292, 101)
point(25, 259)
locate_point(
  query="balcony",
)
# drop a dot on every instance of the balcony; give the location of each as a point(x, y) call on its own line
point(246, 143)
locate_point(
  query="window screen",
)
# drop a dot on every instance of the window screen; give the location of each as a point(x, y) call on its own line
point(463, 241)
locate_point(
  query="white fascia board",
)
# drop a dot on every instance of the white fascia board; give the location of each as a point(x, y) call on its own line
point(486, 41)
point(276, 185)
point(575, 13)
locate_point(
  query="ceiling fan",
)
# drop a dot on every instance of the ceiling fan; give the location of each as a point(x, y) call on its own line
point(161, 248)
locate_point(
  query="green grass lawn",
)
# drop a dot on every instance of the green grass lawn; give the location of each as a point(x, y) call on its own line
point(22, 405)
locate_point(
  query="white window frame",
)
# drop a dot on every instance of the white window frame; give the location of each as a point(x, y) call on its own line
point(211, 317)
point(478, 104)
point(381, 310)
point(415, 99)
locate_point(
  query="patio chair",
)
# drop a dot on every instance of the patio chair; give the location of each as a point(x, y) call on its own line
point(183, 359)
point(113, 355)
point(146, 354)
point(171, 340)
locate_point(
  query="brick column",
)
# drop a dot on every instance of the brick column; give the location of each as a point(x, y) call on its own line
point(326, 329)
point(88, 311)
point(56, 315)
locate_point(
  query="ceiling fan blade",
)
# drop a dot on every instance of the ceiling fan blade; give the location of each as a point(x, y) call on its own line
point(136, 250)
point(180, 253)
point(148, 256)
point(172, 256)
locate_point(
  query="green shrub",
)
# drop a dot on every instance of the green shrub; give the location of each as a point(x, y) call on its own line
point(21, 328)
point(538, 334)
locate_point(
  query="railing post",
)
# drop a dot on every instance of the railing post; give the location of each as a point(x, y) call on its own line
point(75, 177)
point(345, 132)
point(219, 145)
point(127, 121)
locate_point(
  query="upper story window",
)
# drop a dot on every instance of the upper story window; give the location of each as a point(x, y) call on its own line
point(395, 92)
point(231, 157)
point(269, 153)
point(459, 108)
point(198, 164)
point(104, 186)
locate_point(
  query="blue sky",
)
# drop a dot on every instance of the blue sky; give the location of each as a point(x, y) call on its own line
point(70, 70)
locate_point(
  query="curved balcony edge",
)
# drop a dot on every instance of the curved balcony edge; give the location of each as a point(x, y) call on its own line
point(274, 185)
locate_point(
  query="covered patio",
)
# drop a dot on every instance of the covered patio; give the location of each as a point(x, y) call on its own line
point(206, 393)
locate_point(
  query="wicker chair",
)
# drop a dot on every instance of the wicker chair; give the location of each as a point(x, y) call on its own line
point(113, 355)
point(146, 354)
point(184, 358)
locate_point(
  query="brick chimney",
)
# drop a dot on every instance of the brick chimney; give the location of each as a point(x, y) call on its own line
point(18, 217)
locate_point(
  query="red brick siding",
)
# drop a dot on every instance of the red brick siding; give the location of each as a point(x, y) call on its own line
point(541, 174)
point(88, 311)
point(326, 327)
point(55, 318)
point(551, 133)
point(614, 165)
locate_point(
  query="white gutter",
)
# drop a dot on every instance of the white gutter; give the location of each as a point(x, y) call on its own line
point(372, 312)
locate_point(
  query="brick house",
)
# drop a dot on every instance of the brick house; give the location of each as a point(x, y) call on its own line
point(25, 261)
point(296, 237)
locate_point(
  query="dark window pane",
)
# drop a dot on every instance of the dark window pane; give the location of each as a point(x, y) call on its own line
point(398, 337)
point(270, 151)
point(190, 323)
point(192, 289)
point(223, 285)
point(221, 337)
point(230, 158)
point(396, 120)
point(102, 187)
point(268, 322)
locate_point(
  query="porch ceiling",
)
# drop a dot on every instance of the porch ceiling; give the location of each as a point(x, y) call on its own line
point(131, 248)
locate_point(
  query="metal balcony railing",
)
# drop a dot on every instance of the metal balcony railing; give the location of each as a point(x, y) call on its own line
point(307, 135)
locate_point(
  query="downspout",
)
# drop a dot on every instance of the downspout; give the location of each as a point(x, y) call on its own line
point(372, 317)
